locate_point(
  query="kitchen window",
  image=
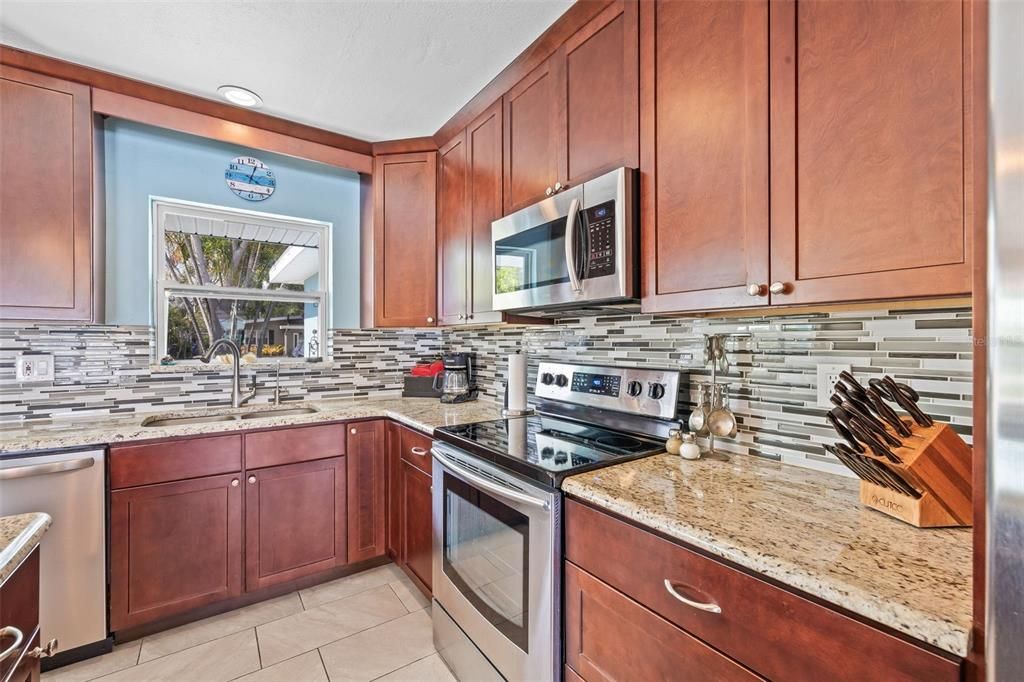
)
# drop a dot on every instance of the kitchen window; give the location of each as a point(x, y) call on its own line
point(261, 280)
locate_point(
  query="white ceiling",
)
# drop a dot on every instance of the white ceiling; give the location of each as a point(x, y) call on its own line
point(376, 70)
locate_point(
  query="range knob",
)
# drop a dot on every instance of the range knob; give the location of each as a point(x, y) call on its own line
point(561, 457)
point(547, 452)
point(634, 389)
point(561, 380)
point(656, 390)
point(547, 378)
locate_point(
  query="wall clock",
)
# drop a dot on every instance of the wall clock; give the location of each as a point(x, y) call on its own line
point(250, 178)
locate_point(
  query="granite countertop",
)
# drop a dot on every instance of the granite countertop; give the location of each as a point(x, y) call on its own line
point(424, 414)
point(802, 528)
point(19, 535)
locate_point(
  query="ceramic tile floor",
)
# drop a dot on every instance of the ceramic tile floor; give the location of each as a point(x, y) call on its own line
point(373, 625)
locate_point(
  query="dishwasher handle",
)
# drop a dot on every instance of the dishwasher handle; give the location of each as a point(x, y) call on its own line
point(48, 468)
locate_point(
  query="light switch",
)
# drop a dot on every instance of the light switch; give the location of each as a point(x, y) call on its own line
point(33, 367)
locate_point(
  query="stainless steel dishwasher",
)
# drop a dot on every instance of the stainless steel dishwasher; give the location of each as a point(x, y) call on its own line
point(70, 487)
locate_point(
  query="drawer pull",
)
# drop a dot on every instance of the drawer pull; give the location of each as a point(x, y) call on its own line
point(11, 631)
point(418, 451)
point(710, 607)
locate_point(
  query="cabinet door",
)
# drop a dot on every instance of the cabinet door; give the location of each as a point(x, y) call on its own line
point(610, 637)
point(366, 486)
point(417, 535)
point(483, 140)
point(405, 290)
point(871, 111)
point(394, 491)
point(294, 521)
point(45, 198)
point(453, 256)
point(602, 94)
point(19, 608)
point(704, 154)
point(174, 547)
point(534, 134)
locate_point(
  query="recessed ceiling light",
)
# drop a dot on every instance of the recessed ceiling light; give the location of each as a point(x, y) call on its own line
point(240, 96)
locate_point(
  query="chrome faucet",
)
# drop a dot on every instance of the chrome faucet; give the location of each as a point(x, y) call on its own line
point(237, 399)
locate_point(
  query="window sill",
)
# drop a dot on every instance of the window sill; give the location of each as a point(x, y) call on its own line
point(264, 364)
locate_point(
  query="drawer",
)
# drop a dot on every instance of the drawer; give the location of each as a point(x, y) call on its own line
point(299, 444)
point(775, 632)
point(609, 638)
point(415, 449)
point(174, 460)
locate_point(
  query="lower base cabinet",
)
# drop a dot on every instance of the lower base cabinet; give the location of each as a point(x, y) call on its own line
point(174, 547)
point(409, 507)
point(295, 521)
point(19, 608)
point(610, 637)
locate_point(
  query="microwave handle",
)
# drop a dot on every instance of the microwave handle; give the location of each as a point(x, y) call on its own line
point(570, 246)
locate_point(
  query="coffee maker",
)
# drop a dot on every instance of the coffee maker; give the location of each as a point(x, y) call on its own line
point(457, 383)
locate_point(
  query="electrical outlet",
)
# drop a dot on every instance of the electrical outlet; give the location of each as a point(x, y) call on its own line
point(828, 377)
point(33, 367)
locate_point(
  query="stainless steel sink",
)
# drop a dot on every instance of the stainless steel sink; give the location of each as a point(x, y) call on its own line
point(285, 412)
point(178, 421)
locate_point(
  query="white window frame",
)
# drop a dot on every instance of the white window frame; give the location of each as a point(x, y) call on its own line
point(164, 287)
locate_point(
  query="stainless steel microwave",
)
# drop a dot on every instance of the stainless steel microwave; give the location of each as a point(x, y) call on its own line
point(578, 247)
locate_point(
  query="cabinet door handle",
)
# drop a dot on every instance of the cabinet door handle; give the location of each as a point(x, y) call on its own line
point(461, 316)
point(11, 631)
point(252, 479)
point(548, 191)
point(418, 451)
point(430, 320)
point(352, 430)
point(778, 288)
point(558, 187)
point(710, 607)
point(755, 290)
point(44, 651)
point(234, 482)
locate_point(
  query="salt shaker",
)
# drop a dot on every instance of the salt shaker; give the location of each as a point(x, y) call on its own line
point(688, 448)
point(674, 442)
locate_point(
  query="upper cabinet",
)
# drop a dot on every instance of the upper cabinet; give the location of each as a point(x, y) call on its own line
point(404, 271)
point(575, 115)
point(46, 248)
point(872, 105)
point(704, 164)
point(852, 121)
point(469, 200)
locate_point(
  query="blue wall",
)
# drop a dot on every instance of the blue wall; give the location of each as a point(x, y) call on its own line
point(142, 161)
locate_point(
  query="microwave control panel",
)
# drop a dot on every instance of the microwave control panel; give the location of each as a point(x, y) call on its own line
point(600, 222)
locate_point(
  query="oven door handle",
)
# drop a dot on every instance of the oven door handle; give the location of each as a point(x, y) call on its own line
point(570, 246)
point(489, 486)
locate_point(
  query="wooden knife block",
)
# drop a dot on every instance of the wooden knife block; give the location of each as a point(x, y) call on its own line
point(936, 461)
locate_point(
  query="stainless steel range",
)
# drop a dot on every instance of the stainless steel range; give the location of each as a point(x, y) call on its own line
point(497, 511)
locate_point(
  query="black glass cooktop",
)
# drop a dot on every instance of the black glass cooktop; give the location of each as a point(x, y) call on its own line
point(547, 449)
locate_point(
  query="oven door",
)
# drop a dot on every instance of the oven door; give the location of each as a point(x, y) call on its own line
point(496, 563)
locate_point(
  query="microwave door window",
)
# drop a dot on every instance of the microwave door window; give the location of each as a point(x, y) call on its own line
point(530, 259)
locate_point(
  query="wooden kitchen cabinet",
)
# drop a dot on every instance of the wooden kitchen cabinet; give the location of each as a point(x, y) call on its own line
point(576, 115)
point(453, 232)
point(873, 108)
point(417, 533)
point(174, 547)
point(816, 642)
point(410, 535)
point(46, 246)
point(366, 475)
point(609, 637)
point(404, 217)
point(469, 200)
point(295, 521)
point(704, 159)
point(19, 608)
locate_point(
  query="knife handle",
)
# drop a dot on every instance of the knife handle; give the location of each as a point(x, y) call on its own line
point(887, 414)
point(900, 397)
point(846, 434)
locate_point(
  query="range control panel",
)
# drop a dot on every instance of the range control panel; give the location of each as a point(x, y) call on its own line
point(600, 222)
point(649, 392)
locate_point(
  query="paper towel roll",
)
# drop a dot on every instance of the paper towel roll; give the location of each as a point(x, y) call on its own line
point(517, 381)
